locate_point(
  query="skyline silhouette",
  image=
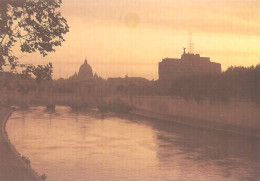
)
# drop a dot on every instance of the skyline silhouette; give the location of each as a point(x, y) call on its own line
point(120, 38)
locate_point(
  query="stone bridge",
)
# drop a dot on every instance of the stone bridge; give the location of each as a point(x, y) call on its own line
point(50, 99)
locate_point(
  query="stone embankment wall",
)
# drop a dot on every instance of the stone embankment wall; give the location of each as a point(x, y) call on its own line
point(241, 114)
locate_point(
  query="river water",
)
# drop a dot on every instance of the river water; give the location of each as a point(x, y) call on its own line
point(73, 146)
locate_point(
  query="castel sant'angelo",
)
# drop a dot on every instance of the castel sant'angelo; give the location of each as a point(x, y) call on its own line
point(189, 64)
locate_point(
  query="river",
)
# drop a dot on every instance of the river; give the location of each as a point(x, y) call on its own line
point(72, 146)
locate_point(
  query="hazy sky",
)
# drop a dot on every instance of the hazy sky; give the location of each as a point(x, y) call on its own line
point(120, 37)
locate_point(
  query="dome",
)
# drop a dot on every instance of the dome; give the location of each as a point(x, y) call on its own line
point(85, 71)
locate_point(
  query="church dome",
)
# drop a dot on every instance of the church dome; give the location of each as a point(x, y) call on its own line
point(85, 71)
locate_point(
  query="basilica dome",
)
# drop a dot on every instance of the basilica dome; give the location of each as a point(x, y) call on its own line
point(85, 71)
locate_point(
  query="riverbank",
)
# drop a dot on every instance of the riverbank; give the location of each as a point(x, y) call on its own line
point(197, 123)
point(236, 116)
point(12, 167)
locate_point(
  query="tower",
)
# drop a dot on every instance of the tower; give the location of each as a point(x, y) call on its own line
point(191, 45)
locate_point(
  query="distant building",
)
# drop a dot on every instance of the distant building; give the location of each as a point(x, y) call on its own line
point(85, 71)
point(171, 68)
point(84, 82)
point(133, 85)
point(128, 80)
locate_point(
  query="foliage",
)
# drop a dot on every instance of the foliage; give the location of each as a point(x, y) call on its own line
point(235, 82)
point(44, 176)
point(41, 72)
point(26, 159)
point(35, 24)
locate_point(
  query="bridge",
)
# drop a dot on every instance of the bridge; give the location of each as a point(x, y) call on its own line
point(50, 100)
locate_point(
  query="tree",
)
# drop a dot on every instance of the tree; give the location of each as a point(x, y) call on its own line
point(36, 25)
point(41, 72)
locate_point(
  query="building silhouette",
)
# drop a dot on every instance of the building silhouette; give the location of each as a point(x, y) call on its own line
point(171, 68)
point(85, 72)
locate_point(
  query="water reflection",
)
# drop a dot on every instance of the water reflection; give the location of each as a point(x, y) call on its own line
point(232, 155)
point(68, 145)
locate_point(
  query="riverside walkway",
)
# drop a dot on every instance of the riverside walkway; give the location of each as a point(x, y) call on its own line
point(12, 168)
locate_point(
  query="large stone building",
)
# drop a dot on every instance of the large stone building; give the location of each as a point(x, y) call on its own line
point(189, 64)
point(85, 71)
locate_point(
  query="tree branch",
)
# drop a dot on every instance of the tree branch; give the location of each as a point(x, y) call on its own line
point(3, 39)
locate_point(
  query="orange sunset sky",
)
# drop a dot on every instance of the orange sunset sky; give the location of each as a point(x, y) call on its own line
point(120, 37)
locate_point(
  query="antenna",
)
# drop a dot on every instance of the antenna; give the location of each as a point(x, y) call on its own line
point(60, 72)
point(191, 45)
